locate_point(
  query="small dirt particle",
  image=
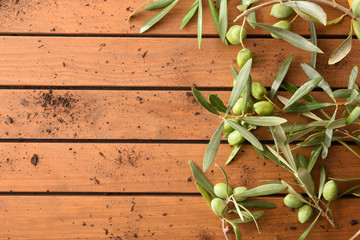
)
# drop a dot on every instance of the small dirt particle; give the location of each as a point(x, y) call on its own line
point(83, 224)
point(9, 120)
point(353, 222)
point(24, 102)
point(117, 238)
point(189, 179)
point(293, 228)
point(196, 113)
point(164, 214)
point(144, 54)
point(34, 160)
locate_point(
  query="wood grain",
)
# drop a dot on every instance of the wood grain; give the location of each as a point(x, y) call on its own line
point(154, 62)
point(144, 168)
point(127, 217)
point(109, 17)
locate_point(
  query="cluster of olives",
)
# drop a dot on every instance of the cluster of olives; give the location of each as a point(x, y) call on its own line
point(219, 204)
point(258, 91)
point(330, 193)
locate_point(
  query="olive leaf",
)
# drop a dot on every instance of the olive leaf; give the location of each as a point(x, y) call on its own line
point(300, 134)
point(327, 138)
point(214, 15)
point(223, 19)
point(157, 17)
point(234, 72)
point(302, 91)
point(136, 10)
point(336, 20)
point(343, 93)
point(293, 192)
point(203, 193)
point(308, 10)
point(356, 26)
point(354, 115)
point(344, 179)
point(279, 159)
point(240, 83)
point(337, 124)
point(252, 16)
point(233, 153)
point(199, 23)
point(263, 190)
point(279, 77)
point(246, 95)
point(291, 89)
point(217, 103)
point(258, 204)
point(280, 137)
point(301, 107)
point(311, 115)
point(306, 178)
point(226, 179)
point(315, 153)
point(236, 229)
point(263, 121)
point(342, 50)
point(190, 13)
point(201, 99)
point(304, 235)
point(353, 75)
point(313, 39)
point(322, 180)
point(252, 216)
point(290, 37)
point(246, 134)
point(357, 195)
point(354, 97)
point(158, 4)
point(212, 147)
point(247, 217)
point(201, 178)
point(348, 190)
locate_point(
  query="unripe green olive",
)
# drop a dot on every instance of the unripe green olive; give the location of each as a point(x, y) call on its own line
point(355, 6)
point(263, 108)
point(258, 90)
point(228, 127)
point(237, 109)
point(220, 190)
point(235, 138)
point(218, 206)
point(282, 24)
point(237, 191)
point(233, 34)
point(243, 56)
point(302, 161)
point(305, 213)
point(281, 11)
point(292, 202)
point(330, 190)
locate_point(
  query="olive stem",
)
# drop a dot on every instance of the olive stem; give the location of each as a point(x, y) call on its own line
point(225, 229)
point(273, 103)
point(241, 31)
point(294, 18)
point(355, 235)
point(325, 2)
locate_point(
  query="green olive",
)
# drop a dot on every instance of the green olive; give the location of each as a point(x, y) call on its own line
point(220, 190)
point(292, 202)
point(258, 90)
point(235, 138)
point(302, 161)
point(356, 27)
point(355, 6)
point(233, 34)
point(218, 206)
point(228, 127)
point(243, 56)
point(282, 24)
point(237, 109)
point(330, 190)
point(281, 11)
point(263, 108)
point(237, 191)
point(305, 213)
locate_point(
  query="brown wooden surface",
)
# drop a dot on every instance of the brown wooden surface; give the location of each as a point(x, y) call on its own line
point(126, 167)
point(139, 217)
point(154, 62)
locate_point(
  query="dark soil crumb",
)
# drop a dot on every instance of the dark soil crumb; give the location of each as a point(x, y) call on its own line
point(292, 210)
point(117, 238)
point(9, 120)
point(135, 235)
point(196, 113)
point(353, 222)
point(106, 231)
point(144, 54)
point(189, 179)
point(293, 228)
point(204, 236)
point(164, 214)
point(24, 102)
point(34, 160)
point(83, 224)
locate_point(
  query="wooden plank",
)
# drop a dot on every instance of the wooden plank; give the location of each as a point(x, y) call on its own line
point(153, 62)
point(109, 17)
point(165, 217)
point(86, 167)
point(110, 114)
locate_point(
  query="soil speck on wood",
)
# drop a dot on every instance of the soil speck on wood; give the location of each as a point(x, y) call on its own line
point(34, 160)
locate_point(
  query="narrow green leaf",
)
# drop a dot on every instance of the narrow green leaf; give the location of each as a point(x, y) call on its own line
point(297, 127)
point(258, 204)
point(264, 121)
point(303, 90)
point(301, 107)
point(322, 180)
point(252, 216)
point(353, 75)
point(190, 13)
point(336, 20)
point(201, 178)
point(263, 190)
point(223, 19)
point(251, 18)
point(200, 23)
point(312, 11)
point(354, 98)
point(307, 179)
point(136, 10)
point(354, 115)
point(236, 229)
point(313, 39)
point(343, 93)
point(233, 153)
point(157, 17)
point(357, 195)
point(226, 179)
point(300, 134)
point(315, 153)
point(356, 26)
point(234, 72)
point(344, 179)
point(247, 217)
point(213, 147)
point(290, 37)
point(284, 146)
point(204, 193)
point(348, 190)
point(203, 102)
point(240, 83)
point(246, 134)
point(342, 50)
point(214, 15)
point(158, 4)
point(292, 191)
point(217, 103)
point(280, 159)
point(328, 138)
point(246, 93)
point(304, 235)
point(291, 89)
point(280, 76)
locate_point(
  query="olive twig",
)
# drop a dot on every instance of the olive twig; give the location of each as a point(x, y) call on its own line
point(225, 229)
point(294, 18)
point(325, 2)
point(281, 110)
point(241, 32)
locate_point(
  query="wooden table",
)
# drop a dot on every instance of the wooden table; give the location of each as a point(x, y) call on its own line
point(110, 116)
